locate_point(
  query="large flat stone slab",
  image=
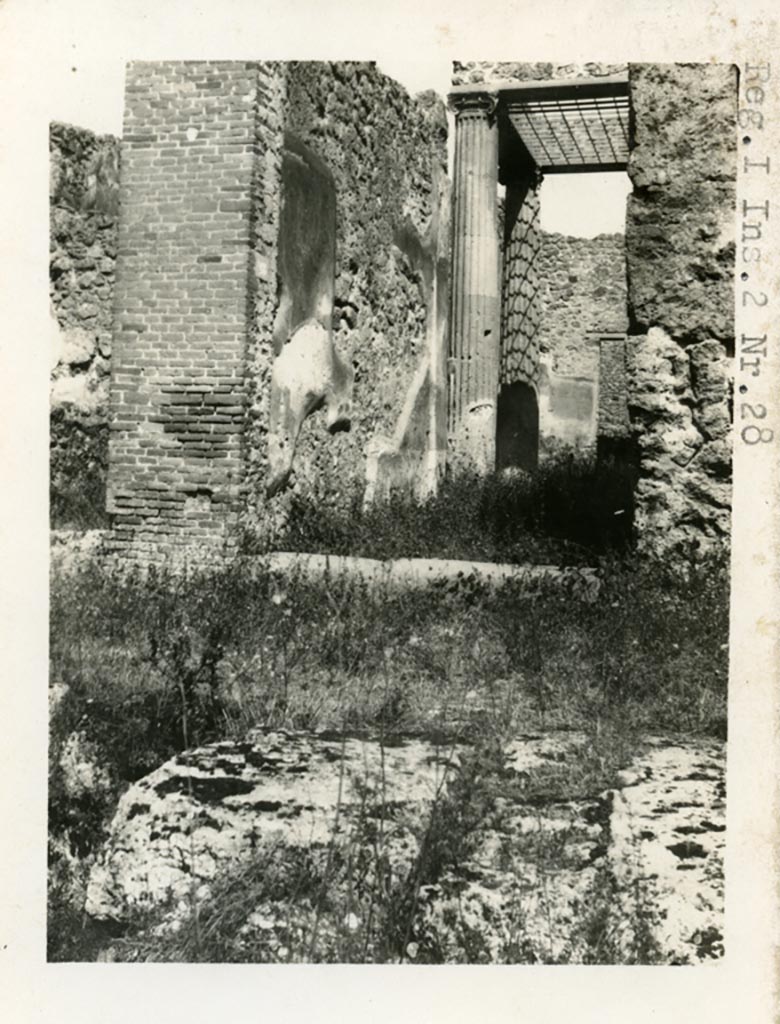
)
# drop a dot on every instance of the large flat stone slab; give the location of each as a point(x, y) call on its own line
point(215, 805)
point(668, 838)
point(647, 855)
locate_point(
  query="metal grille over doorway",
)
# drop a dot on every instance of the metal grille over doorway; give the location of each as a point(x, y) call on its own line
point(566, 126)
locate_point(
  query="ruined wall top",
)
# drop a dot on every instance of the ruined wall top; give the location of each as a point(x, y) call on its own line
point(473, 72)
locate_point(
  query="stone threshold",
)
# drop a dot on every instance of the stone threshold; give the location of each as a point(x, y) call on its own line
point(69, 547)
point(424, 572)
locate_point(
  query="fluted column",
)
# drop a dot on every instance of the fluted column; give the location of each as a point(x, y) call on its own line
point(473, 365)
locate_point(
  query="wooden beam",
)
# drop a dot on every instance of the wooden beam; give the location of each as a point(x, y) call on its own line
point(562, 88)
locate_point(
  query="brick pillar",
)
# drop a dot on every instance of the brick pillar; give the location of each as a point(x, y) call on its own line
point(182, 298)
point(475, 336)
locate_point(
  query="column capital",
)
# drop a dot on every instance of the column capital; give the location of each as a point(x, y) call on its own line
point(473, 101)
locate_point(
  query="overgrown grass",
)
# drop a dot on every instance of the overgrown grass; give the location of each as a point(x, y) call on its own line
point(567, 512)
point(155, 664)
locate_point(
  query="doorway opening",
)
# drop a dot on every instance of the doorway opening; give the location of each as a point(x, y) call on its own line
point(563, 152)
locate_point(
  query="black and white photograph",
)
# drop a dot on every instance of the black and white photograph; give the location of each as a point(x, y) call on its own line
point(389, 608)
point(402, 417)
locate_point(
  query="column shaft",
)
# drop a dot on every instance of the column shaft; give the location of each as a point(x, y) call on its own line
point(475, 336)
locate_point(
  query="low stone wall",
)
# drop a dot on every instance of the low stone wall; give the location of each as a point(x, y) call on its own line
point(83, 242)
point(412, 573)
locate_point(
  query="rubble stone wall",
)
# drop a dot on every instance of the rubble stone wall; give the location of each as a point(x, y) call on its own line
point(475, 71)
point(560, 295)
point(582, 289)
point(83, 239)
point(582, 296)
point(380, 146)
point(680, 251)
point(614, 423)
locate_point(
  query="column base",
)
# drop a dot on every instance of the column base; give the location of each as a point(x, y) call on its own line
point(473, 444)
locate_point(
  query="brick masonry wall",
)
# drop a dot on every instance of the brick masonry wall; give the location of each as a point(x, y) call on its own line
point(83, 240)
point(183, 304)
point(380, 145)
point(680, 249)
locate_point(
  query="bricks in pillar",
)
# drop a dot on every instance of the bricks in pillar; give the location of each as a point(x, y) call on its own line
point(180, 317)
point(520, 306)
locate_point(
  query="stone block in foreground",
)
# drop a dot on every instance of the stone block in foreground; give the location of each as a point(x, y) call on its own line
point(651, 850)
